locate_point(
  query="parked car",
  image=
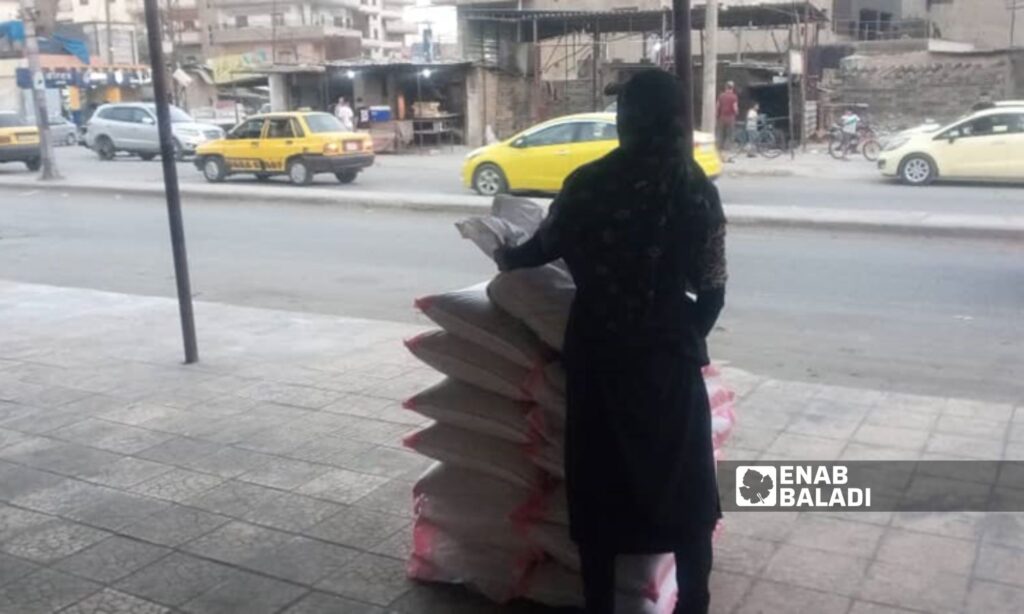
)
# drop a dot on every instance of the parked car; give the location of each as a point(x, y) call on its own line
point(540, 158)
point(63, 131)
point(19, 140)
point(131, 127)
point(984, 145)
point(298, 144)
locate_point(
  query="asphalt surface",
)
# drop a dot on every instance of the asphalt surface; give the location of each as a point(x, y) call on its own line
point(824, 183)
point(915, 315)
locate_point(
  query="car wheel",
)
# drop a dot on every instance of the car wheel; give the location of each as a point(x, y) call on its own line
point(488, 180)
point(214, 170)
point(34, 164)
point(346, 176)
point(917, 170)
point(105, 148)
point(71, 140)
point(147, 156)
point(299, 173)
point(179, 151)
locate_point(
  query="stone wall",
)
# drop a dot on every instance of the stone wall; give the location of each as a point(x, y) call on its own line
point(902, 90)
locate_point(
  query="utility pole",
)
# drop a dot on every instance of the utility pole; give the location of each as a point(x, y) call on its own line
point(110, 40)
point(710, 61)
point(49, 165)
point(684, 70)
point(154, 35)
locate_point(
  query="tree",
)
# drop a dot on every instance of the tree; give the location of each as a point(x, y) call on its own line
point(31, 16)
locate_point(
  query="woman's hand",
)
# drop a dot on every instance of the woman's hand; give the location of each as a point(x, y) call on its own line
point(501, 258)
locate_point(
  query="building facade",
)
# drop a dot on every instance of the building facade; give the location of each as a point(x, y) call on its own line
point(304, 32)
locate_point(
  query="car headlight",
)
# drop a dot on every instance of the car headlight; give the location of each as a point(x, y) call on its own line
point(896, 143)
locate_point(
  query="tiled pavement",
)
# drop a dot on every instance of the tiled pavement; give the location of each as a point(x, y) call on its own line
point(270, 477)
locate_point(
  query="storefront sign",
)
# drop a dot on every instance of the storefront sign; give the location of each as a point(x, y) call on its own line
point(228, 68)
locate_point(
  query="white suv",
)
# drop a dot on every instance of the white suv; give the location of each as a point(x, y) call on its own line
point(131, 127)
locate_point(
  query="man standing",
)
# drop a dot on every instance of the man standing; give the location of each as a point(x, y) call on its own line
point(344, 114)
point(728, 110)
point(849, 123)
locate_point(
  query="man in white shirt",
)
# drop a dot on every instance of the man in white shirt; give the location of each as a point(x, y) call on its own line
point(849, 123)
point(344, 114)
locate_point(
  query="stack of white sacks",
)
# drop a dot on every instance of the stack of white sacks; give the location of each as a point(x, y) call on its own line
point(492, 512)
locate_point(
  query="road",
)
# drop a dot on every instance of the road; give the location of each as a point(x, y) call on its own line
point(832, 184)
point(916, 315)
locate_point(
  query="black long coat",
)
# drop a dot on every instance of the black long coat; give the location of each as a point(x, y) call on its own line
point(636, 233)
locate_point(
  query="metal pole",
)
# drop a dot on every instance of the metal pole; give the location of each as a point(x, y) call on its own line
point(47, 161)
point(684, 70)
point(595, 53)
point(163, 120)
point(710, 62)
point(110, 40)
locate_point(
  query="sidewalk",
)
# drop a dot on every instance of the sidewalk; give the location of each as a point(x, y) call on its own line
point(270, 478)
point(815, 162)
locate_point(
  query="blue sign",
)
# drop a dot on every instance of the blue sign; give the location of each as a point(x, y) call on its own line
point(55, 78)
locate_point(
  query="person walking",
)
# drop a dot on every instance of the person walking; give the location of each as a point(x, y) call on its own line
point(638, 230)
point(344, 114)
point(726, 113)
point(753, 120)
point(849, 123)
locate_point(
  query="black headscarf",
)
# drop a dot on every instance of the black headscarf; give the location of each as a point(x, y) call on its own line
point(650, 114)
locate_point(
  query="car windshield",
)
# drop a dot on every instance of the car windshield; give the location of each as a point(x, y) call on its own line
point(177, 115)
point(322, 122)
point(11, 120)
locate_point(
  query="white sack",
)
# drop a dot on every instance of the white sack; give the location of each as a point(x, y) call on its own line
point(469, 450)
point(470, 363)
point(557, 586)
point(470, 315)
point(457, 404)
point(512, 222)
point(540, 297)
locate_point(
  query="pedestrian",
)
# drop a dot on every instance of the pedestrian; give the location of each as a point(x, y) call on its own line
point(849, 124)
point(727, 111)
point(753, 120)
point(639, 229)
point(344, 114)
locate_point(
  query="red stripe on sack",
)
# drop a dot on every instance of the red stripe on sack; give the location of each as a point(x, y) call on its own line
point(531, 383)
point(423, 303)
point(653, 589)
point(409, 403)
point(410, 440)
point(412, 342)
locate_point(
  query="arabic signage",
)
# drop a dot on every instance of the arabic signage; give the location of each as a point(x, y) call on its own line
point(57, 78)
point(228, 68)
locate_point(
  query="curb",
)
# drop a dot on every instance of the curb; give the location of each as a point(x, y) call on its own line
point(917, 224)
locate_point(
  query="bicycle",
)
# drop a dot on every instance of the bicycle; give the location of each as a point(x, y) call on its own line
point(767, 141)
point(864, 142)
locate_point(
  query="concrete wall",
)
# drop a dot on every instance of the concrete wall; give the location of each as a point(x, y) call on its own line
point(903, 90)
point(986, 23)
point(498, 100)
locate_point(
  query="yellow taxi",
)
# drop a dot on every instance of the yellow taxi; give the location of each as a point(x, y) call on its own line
point(985, 145)
point(298, 145)
point(540, 158)
point(19, 140)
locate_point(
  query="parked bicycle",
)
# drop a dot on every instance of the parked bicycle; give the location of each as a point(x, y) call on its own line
point(766, 141)
point(865, 142)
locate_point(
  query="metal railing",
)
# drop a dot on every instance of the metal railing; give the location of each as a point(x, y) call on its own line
point(884, 29)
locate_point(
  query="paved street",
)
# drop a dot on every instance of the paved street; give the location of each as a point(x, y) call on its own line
point(270, 477)
point(937, 317)
point(821, 182)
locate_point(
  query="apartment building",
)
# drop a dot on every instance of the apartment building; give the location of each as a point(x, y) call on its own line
point(305, 32)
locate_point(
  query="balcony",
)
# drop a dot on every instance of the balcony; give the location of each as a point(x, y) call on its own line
point(342, 4)
point(374, 43)
point(401, 27)
point(191, 37)
point(389, 13)
point(285, 33)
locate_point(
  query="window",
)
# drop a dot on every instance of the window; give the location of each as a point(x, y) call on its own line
point(986, 126)
point(241, 21)
point(12, 120)
point(554, 135)
point(119, 114)
point(280, 128)
point(322, 122)
point(597, 131)
point(251, 129)
point(140, 116)
point(277, 19)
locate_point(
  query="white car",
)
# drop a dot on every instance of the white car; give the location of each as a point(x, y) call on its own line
point(131, 127)
point(984, 145)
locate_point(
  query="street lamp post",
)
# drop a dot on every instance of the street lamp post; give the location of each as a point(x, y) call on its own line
point(163, 119)
point(681, 29)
